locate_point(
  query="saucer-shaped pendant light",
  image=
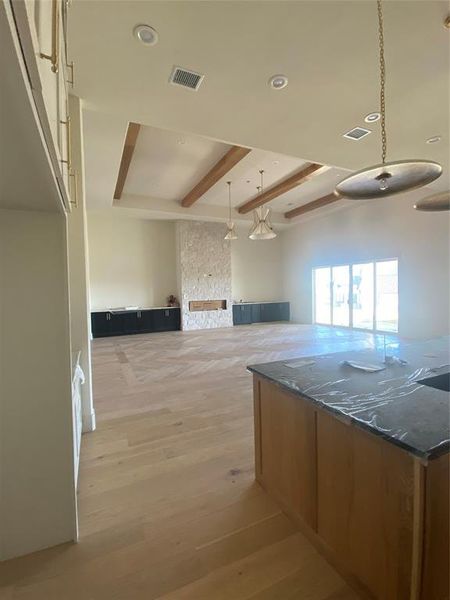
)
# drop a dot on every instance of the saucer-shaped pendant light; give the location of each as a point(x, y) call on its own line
point(262, 228)
point(231, 233)
point(387, 178)
point(434, 203)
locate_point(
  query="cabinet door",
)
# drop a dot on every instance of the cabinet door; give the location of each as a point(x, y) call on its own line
point(266, 313)
point(286, 449)
point(169, 319)
point(285, 311)
point(147, 321)
point(256, 313)
point(271, 312)
point(366, 506)
point(64, 126)
point(117, 323)
point(46, 28)
point(100, 324)
point(236, 315)
point(248, 314)
point(164, 320)
point(131, 322)
point(176, 318)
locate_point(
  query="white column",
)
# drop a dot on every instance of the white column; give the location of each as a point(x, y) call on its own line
point(78, 266)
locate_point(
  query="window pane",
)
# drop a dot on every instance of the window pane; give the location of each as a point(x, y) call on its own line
point(363, 296)
point(341, 307)
point(387, 295)
point(322, 289)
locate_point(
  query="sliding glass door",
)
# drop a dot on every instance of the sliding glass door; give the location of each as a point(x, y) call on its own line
point(322, 295)
point(340, 280)
point(360, 295)
point(386, 295)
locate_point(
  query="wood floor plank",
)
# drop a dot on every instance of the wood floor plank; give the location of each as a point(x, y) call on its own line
point(168, 505)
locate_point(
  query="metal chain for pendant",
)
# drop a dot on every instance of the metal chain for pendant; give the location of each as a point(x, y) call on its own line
point(382, 83)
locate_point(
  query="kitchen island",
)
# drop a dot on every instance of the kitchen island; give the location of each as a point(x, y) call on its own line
point(360, 461)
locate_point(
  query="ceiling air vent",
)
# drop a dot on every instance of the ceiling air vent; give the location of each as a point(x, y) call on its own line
point(188, 79)
point(357, 133)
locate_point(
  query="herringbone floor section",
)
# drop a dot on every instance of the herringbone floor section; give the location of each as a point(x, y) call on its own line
point(168, 505)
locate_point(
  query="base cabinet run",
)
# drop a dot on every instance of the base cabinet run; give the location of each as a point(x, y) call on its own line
point(109, 323)
point(263, 312)
point(379, 514)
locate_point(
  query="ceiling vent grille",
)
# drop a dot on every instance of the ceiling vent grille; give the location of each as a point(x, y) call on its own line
point(186, 78)
point(357, 133)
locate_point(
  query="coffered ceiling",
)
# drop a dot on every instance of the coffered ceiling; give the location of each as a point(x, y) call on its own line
point(166, 166)
point(327, 49)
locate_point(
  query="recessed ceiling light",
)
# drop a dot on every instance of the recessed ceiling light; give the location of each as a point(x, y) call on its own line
point(181, 141)
point(372, 117)
point(290, 203)
point(248, 181)
point(434, 140)
point(146, 34)
point(278, 82)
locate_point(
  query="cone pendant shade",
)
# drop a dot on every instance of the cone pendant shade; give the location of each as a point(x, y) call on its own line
point(231, 233)
point(388, 179)
point(262, 228)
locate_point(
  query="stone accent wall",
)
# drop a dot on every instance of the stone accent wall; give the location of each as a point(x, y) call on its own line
point(204, 273)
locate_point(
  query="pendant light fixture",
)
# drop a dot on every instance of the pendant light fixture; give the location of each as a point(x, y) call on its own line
point(231, 233)
point(262, 228)
point(387, 178)
point(434, 203)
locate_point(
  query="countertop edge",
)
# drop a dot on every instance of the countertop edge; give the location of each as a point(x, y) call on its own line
point(430, 454)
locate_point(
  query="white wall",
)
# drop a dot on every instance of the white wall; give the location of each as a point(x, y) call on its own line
point(377, 229)
point(256, 268)
point(131, 261)
point(37, 493)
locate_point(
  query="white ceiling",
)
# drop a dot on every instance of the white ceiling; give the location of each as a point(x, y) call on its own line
point(328, 50)
point(167, 165)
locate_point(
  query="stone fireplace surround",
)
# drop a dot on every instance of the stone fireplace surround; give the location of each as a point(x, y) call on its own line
point(203, 273)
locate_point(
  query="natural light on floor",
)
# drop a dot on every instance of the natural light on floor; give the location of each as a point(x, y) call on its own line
point(361, 295)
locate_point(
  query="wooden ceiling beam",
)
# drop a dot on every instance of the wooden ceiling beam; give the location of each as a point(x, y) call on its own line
point(280, 188)
point(221, 168)
point(127, 155)
point(319, 203)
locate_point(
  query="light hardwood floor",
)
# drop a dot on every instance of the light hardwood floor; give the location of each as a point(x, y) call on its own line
point(168, 506)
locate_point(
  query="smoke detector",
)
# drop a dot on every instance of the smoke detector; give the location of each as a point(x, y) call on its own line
point(186, 78)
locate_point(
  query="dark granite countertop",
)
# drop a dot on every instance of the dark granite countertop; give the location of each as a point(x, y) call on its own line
point(389, 403)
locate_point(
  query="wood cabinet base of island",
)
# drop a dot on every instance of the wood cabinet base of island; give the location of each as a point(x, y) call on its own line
point(377, 513)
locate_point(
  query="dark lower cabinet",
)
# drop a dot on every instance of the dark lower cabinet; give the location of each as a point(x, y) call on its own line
point(242, 314)
point(100, 324)
point(166, 319)
point(130, 322)
point(263, 312)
